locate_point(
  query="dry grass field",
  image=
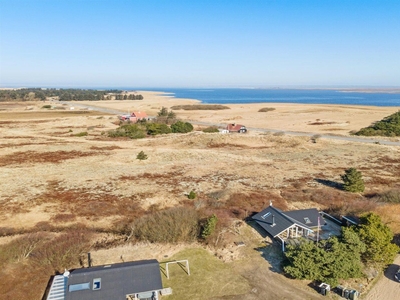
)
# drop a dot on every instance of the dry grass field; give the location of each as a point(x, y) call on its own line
point(63, 180)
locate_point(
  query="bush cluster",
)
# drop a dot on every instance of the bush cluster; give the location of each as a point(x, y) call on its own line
point(142, 129)
point(266, 109)
point(210, 129)
point(333, 259)
point(389, 126)
point(178, 224)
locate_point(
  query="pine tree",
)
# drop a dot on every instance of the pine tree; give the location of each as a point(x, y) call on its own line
point(353, 181)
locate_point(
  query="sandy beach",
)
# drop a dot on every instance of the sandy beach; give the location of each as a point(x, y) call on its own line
point(314, 118)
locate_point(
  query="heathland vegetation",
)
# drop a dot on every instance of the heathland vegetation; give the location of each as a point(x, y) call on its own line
point(83, 190)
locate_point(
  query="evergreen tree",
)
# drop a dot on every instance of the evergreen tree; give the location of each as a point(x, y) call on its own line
point(377, 237)
point(209, 226)
point(353, 181)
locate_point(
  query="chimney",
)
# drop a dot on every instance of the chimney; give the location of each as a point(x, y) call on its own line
point(89, 260)
point(273, 220)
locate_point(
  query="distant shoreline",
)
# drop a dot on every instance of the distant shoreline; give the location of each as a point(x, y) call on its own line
point(372, 90)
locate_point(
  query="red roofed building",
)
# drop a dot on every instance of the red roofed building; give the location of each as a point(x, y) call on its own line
point(134, 116)
point(236, 128)
point(138, 115)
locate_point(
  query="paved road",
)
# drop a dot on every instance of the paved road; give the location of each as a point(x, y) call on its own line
point(294, 133)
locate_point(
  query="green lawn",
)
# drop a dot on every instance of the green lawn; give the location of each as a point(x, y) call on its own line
point(209, 277)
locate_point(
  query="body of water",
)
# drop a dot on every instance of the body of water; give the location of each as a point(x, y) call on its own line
point(242, 96)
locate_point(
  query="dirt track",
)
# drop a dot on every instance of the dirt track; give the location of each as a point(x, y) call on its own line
point(387, 288)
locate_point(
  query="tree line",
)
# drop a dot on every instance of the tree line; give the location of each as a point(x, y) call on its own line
point(32, 94)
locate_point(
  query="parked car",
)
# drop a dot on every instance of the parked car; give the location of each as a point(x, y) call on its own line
point(397, 275)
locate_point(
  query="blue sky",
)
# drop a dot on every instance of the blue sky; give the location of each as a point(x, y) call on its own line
point(167, 43)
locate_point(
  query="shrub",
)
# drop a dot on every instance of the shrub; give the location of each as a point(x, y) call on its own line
point(192, 195)
point(279, 133)
point(200, 107)
point(210, 129)
point(83, 133)
point(209, 226)
point(46, 106)
point(181, 127)
point(20, 248)
point(315, 137)
point(63, 251)
point(391, 196)
point(141, 156)
point(133, 131)
point(157, 128)
point(266, 109)
point(178, 224)
point(353, 181)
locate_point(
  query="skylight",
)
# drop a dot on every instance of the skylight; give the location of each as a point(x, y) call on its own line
point(307, 220)
point(79, 287)
point(265, 216)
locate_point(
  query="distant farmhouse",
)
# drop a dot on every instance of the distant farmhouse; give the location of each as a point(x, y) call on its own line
point(287, 227)
point(121, 281)
point(134, 116)
point(236, 128)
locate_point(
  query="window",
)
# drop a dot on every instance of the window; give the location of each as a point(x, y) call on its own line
point(307, 220)
point(265, 216)
point(79, 287)
point(96, 284)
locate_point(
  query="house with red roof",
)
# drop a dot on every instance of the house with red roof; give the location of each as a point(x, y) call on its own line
point(134, 116)
point(236, 128)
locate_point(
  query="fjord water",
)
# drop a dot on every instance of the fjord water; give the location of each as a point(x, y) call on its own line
point(307, 96)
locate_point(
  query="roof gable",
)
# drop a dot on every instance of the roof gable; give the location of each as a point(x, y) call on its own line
point(266, 219)
point(139, 114)
point(234, 127)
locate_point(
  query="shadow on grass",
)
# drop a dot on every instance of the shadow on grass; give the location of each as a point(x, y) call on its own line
point(271, 251)
point(330, 183)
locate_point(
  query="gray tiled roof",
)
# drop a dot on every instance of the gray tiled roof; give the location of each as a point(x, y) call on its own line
point(284, 220)
point(300, 216)
point(117, 280)
point(264, 219)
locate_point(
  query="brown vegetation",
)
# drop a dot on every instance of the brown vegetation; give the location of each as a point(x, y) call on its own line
point(56, 188)
point(200, 107)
